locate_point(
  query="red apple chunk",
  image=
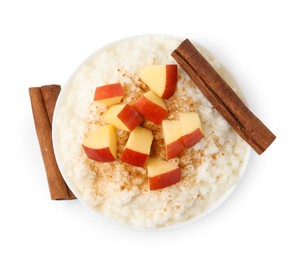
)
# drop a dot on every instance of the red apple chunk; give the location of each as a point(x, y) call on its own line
point(101, 145)
point(108, 95)
point(138, 147)
point(191, 128)
point(151, 107)
point(162, 79)
point(162, 174)
point(173, 138)
point(123, 117)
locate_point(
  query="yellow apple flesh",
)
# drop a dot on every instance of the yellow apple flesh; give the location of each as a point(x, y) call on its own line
point(151, 107)
point(123, 117)
point(191, 128)
point(162, 79)
point(108, 95)
point(138, 147)
point(173, 138)
point(101, 145)
point(162, 174)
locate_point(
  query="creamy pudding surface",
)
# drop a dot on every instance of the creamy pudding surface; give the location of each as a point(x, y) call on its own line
point(119, 191)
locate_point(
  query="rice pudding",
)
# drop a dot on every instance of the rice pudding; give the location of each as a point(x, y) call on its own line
point(120, 191)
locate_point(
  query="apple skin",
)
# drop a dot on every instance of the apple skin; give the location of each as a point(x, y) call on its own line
point(173, 138)
point(130, 117)
point(109, 95)
point(175, 148)
point(138, 146)
point(164, 180)
point(150, 110)
point(171, 81)
point(99, 155)
point(134, 158)
point(162, 79)
point(101, 144)
point(108, 91)
point(191, 139)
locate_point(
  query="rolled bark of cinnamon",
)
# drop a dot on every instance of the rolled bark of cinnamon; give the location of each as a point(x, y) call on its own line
point(43, 113)
point(222, 97)
point(50, 94)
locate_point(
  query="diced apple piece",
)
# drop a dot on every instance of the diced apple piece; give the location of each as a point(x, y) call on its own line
point(161, 79)
point(109, 95)
point(123, 117)
point(162, 174)
point(191, 127)
point(173, 138)
point(151, 107)
point(101, 145)
point(138, 147)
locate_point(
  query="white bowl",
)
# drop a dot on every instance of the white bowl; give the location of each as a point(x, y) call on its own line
point(70, 183)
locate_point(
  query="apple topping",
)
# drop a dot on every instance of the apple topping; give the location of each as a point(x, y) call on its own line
point(161, 79)
point(138, 147)
point(191, 128)
point(173, 138)
point(108, 95)
point(151, 107)
point(123, 117)
point(101, 145)
point(162, 174)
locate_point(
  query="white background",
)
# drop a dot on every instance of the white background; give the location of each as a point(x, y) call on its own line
point(260, 42)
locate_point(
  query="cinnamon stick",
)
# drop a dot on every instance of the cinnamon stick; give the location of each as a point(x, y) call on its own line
point(222, 97)
point(57, 186)
point(50, 94)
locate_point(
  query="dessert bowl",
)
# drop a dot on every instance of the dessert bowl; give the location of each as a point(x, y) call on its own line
point(119, 192)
